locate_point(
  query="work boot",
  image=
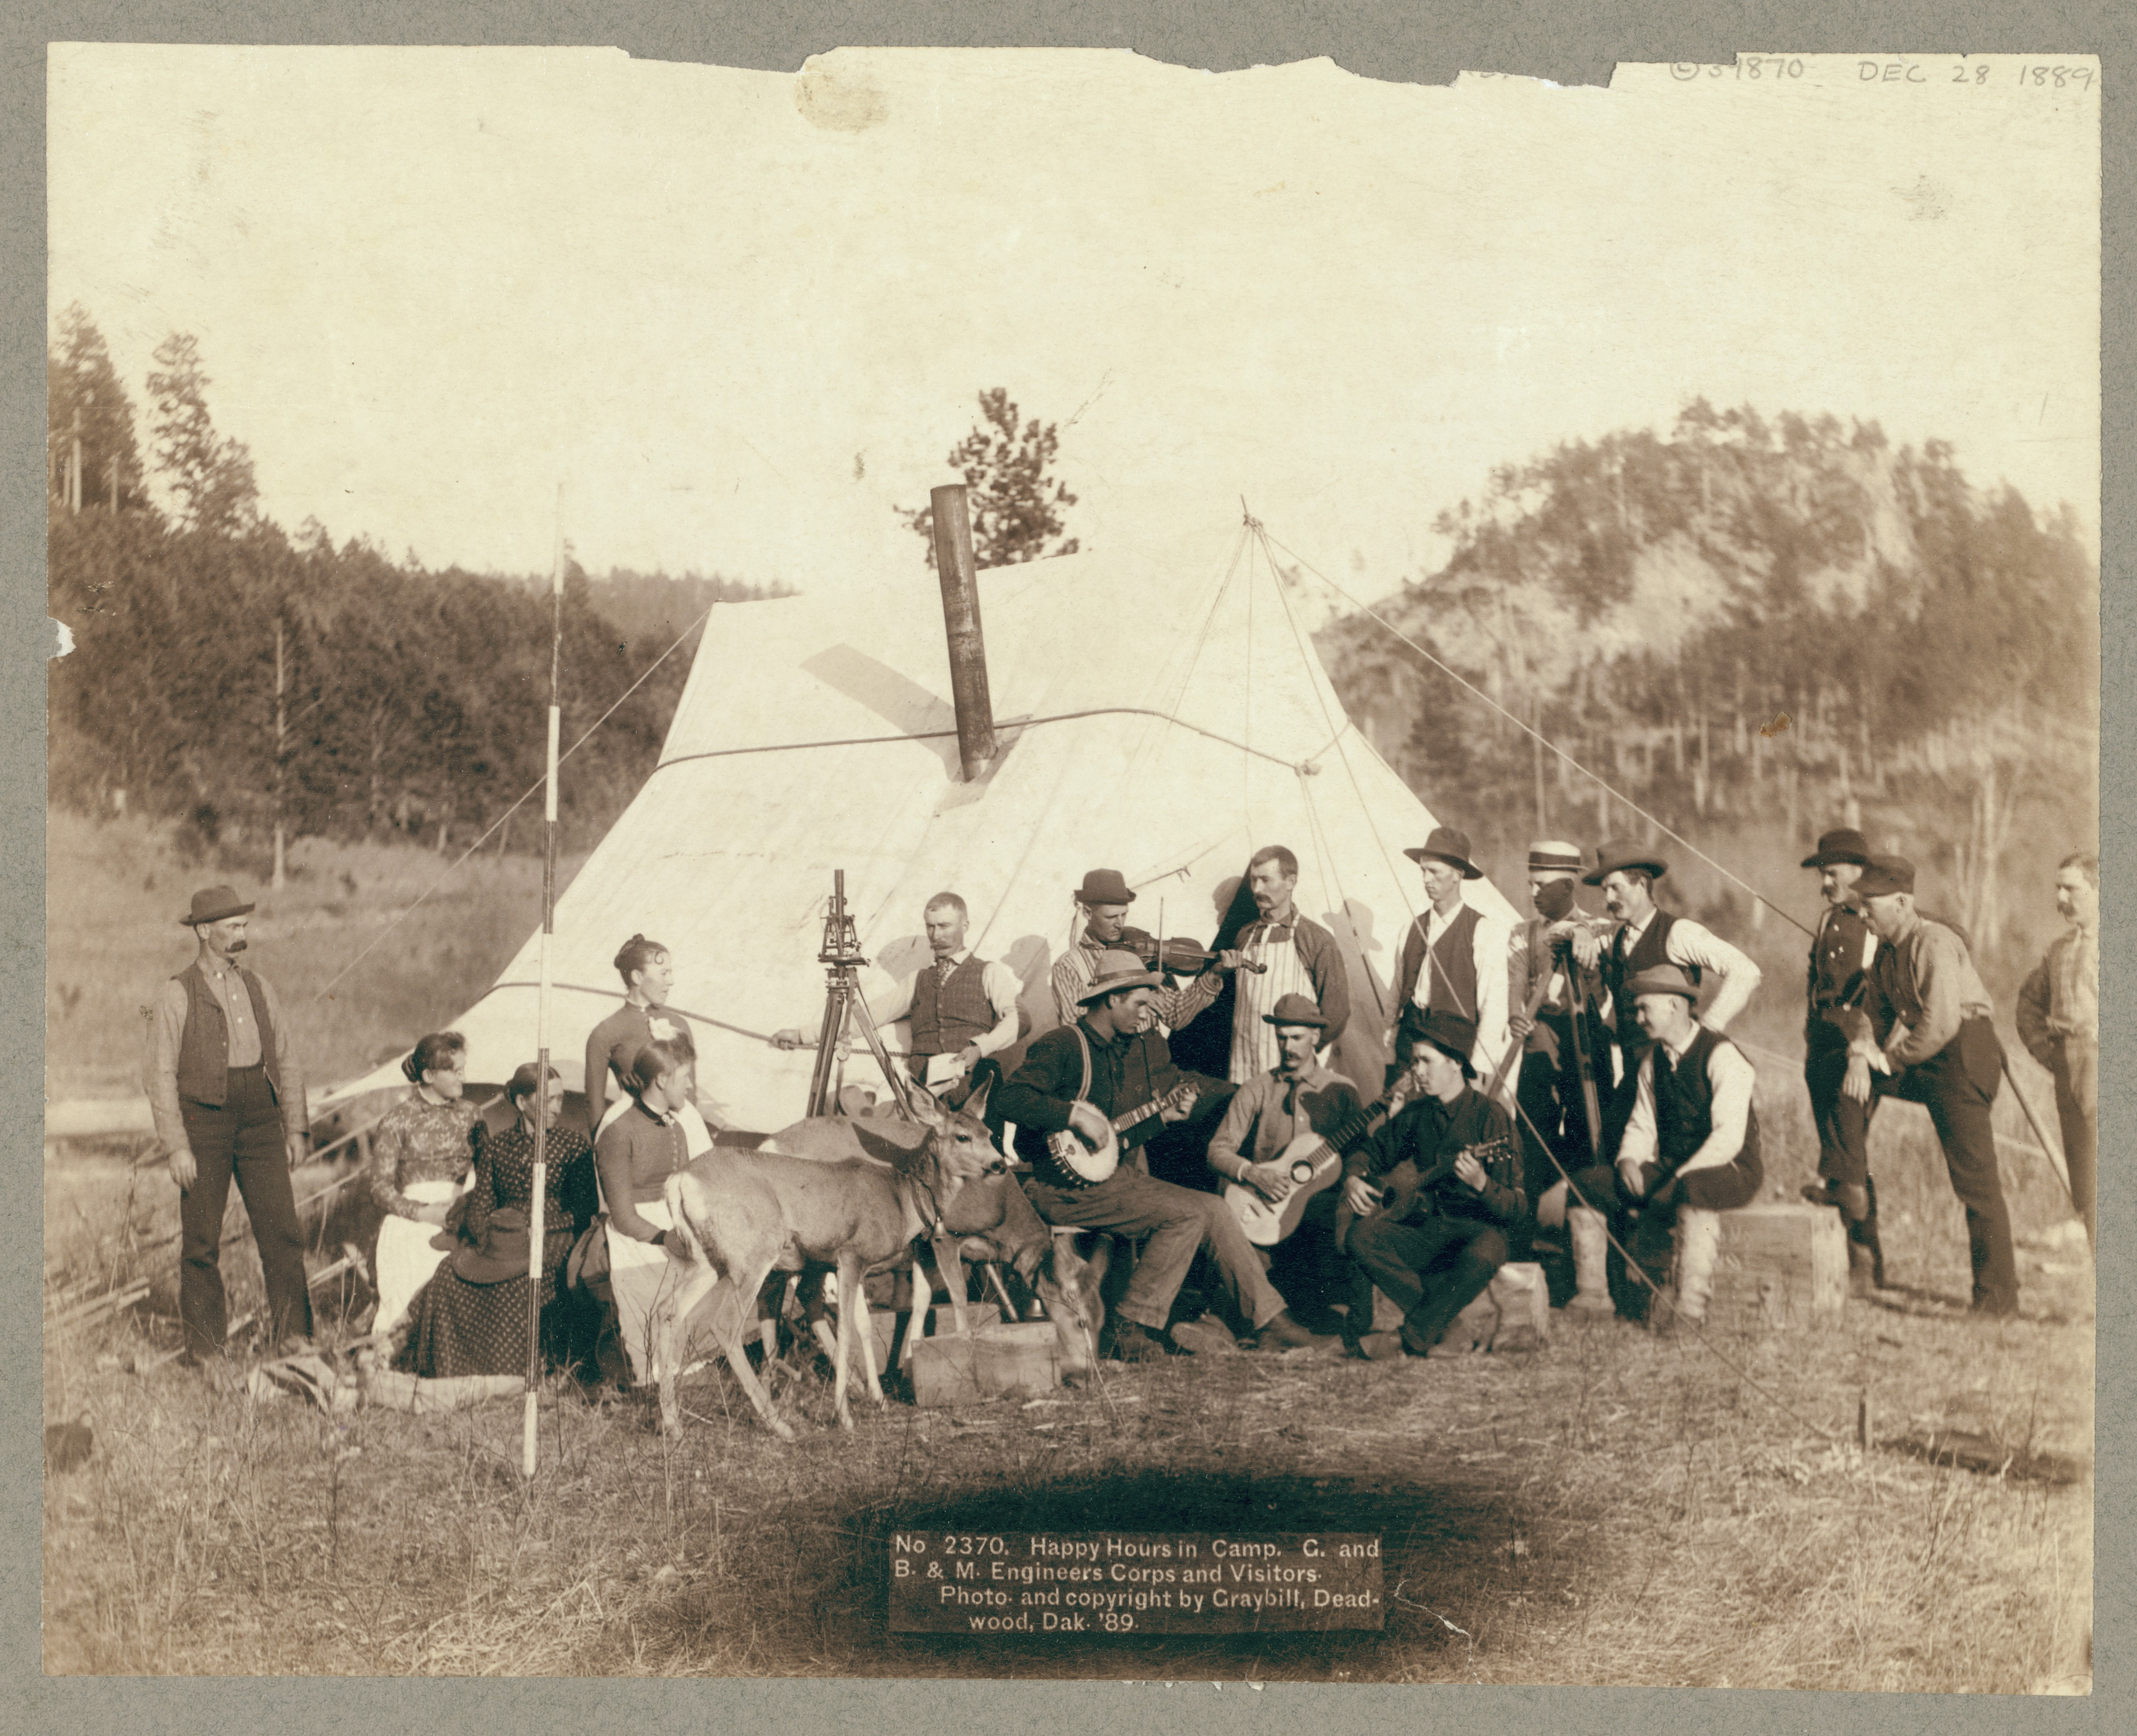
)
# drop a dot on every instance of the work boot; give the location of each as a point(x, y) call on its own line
point(1380, 1347)
point(1283, 1332)
point(1698, 1245)
point(1135, 1342)
point(1589, 1231)
point(1866, 1231)
point(1206, 1336)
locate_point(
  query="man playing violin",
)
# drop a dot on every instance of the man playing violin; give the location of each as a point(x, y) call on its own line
point(1434, 1192)
point(1295, 1097)
point(1101, 903)
point(1084, 1076)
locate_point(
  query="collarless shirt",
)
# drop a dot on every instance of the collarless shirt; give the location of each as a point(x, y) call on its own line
point(1733, 1078)
point(997, 981)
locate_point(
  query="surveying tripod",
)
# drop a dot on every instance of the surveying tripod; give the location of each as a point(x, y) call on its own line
point(842, 961)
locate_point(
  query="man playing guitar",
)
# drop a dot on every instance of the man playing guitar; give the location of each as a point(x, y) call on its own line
point(1298, 1096)
point(1433, 1192)
point(1086, 1079)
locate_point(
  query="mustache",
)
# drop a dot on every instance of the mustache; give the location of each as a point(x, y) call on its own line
point(236, 946)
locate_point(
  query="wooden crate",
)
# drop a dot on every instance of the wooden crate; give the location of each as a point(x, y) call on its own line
point(1513, 1313)
point(970, 1367)
point(1781, 1264)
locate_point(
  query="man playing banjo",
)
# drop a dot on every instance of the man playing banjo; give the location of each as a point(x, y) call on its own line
point(1086, 1080)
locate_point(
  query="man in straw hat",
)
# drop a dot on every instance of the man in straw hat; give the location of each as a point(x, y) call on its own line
point(1690, 1151)
point(1454, 956)
point(1082, 1076)
point(1102, 910)
point(228, 1098)
point(1429, 1200)
point(1649, 936)
point(1297, 1097)
point(1840, 951)
point(1923, 1034)
point(2059, 1022)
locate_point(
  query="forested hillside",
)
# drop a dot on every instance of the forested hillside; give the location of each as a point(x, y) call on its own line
point(1784, 620)
point(252, 682)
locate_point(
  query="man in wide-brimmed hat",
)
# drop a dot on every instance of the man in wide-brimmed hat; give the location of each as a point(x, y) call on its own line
point(1297, 1097)
point(1455, 957)
point(2059, 1022)
point(1840, 950)
point(1689, 1152)
point(1430, 1200)
point(1923, 1033)
point(1082, 1078)
point(228, 1098)
point(1102, 911)
point(1649, 936)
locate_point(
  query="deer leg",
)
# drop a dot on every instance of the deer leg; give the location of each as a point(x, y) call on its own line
point(849, 1279)
point(699, 1281)
point(865, 1337)
point(923, 1299)
point(731, 1332)
point(950, 1263)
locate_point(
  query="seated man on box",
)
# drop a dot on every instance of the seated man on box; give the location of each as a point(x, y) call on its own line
point(1088, 1079)
point(1690, 1150)
point(1298, 1099)
point(1428, 1200)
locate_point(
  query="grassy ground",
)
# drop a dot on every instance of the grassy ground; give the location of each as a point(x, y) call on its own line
point(1614, 1508)
point(115, 889)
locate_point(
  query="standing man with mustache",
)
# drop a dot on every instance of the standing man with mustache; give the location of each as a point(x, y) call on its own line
point(1296, 957)
point(228, 1098)
point(1647, 936)
point(1455, 959)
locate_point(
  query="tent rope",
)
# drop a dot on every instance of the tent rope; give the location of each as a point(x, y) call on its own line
point(526, 795)
point(1373, 614)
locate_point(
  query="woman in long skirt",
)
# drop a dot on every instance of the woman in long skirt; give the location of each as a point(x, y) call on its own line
point(637, 1152)
point(422, 1153)
point(471, 1318)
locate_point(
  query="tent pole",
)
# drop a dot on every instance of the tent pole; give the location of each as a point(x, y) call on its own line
point(536, 1234)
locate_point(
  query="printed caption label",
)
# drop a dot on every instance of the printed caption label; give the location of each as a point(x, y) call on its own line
point(1134, 1581)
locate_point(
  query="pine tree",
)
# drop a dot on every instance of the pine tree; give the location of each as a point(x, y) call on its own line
point(1014, 503)
point(84, 402)
point(211, 477)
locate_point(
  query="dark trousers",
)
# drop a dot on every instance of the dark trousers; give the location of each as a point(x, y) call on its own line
point(1178, 1223)
point(1843, 1126)
point(1314, 1274)
point(1431, 1270)
point(1179, 1152)
point(1957, 1085)
point(244, 1137)
point(1550, 1096)
point(2077, 1106)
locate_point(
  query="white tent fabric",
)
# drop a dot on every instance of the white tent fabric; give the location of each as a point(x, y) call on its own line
point(1162, 715)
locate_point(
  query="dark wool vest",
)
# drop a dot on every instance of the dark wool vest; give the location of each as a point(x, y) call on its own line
point(1619, 967)
point(1684, 1104)
point(948, 1015)
point(204, 1045)
point(1454, 984)
point(1836, 975)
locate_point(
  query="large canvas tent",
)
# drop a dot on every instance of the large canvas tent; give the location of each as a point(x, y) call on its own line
point(1162, 713)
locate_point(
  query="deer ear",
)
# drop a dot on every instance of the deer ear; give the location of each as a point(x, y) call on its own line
point(925, 1108)
point(976, 1106)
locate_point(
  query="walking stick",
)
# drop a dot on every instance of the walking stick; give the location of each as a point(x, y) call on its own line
point(2060, 1168)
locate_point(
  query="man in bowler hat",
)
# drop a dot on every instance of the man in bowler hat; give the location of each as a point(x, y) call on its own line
point(1924, 1034)
point(1841, 951)
point(1101, 903)
point(228, 1098)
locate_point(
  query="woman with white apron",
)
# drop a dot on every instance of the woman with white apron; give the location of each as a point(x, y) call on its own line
point(422, 1157)
point(637, 1151)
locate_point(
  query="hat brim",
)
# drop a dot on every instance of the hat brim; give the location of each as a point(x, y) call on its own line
point(1115, 985)
point(1470, 871)
point(1658, 869)
point(1825, 859)
point(221, 915)
point(480, 1268)
point(1316, 1024)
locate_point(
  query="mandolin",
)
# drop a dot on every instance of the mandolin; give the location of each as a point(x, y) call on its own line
point(1407, 1183)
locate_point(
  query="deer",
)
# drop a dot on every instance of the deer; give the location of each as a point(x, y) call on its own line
point(855, 1200)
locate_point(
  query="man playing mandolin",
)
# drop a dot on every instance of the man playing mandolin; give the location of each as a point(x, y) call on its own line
point(1433, 1192)
point(1099, 1081)
point(1296, 1099)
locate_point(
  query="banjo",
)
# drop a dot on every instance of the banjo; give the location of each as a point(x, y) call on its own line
point(1086, 1166)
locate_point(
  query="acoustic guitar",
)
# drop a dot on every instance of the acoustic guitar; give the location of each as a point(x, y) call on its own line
point(1407, 1182)
point(1314, 1163)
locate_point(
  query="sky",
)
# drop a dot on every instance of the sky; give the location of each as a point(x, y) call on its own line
point(737, 317)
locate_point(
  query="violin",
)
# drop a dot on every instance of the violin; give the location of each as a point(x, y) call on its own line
point(1181, 957)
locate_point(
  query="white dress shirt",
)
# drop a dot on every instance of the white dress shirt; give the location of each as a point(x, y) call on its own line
point(1732, 1078)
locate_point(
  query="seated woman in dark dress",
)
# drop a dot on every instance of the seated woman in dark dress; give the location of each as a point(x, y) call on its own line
point(477, 1325)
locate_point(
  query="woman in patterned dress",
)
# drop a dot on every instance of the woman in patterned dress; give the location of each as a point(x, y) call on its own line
point(422, 1155)
point(464, 1327)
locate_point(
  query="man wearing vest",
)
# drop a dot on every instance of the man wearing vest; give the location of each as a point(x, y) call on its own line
point(2059, 1024)
point(1690, 1150)
point(1102, 907)
point(1550, 1092)
point(228, 1099)
point(1647, 936)
point(1083, 1077)
point(1455, 957)
point(1840, 952)
point(1298, 958)
point(1924, 1035)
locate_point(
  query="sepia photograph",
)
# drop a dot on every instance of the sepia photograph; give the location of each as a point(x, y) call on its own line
point(1015, 863)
